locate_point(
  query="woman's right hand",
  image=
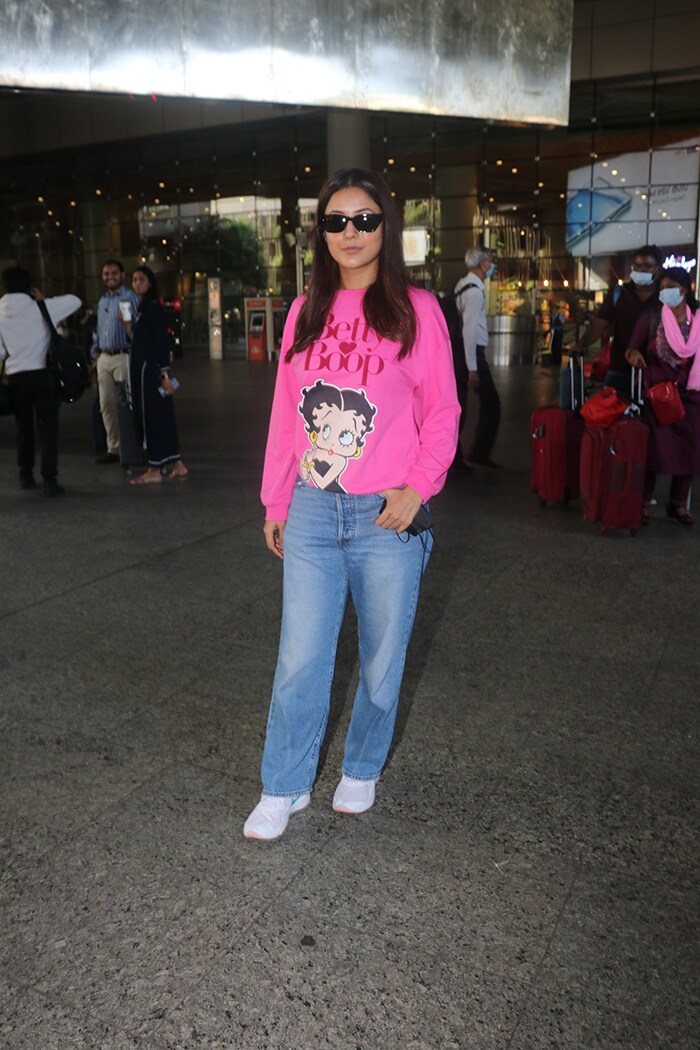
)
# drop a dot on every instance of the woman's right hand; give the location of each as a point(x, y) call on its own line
point(634, 358)
point(274, 537)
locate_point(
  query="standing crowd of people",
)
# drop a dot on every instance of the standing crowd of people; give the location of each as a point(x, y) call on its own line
point(650, 323)
point(128, 348)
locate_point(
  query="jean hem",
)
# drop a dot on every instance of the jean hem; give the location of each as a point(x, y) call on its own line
point(287, 794)
point(361, 780)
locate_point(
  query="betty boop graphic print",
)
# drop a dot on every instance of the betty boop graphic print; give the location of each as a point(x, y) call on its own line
point(336, 422)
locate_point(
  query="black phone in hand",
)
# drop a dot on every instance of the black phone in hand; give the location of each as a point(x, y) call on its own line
point(420, 523)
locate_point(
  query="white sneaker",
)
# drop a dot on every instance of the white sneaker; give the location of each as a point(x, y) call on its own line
point(271, 815)
point(353, 796)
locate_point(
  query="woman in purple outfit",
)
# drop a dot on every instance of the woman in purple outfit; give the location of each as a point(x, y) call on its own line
point(666, 345)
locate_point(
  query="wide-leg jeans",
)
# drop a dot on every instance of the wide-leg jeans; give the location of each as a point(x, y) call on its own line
point(332, 550)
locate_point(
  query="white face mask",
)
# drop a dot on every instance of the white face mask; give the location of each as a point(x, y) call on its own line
point(642, 278)
point(671, 296)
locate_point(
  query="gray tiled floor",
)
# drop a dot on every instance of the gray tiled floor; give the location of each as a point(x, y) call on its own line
point(527, 878)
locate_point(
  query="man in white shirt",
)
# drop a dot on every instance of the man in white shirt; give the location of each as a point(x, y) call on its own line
point(24, 340)
point(469, 293)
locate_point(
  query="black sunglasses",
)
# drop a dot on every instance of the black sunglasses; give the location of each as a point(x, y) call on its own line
point(366, 222)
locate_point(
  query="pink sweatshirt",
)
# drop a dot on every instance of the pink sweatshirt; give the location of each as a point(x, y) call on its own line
point(347, 416)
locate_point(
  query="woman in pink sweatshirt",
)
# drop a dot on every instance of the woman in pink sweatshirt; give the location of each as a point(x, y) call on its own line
point(362, 432)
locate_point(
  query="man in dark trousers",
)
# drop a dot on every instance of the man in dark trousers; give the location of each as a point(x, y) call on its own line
point(621, 309)
point(24, 340)
point(469, 294)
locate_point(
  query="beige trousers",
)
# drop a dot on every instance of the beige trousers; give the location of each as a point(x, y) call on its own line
point(110, 371)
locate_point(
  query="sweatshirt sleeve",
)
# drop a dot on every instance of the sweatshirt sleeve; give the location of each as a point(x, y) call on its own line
point(279, 470)
point(435, 403)
point(62, 306)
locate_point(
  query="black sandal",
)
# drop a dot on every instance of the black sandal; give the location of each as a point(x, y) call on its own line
point(679, 511)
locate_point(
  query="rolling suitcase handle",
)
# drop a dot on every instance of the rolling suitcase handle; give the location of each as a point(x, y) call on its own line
point(636, 399)
point(572, 366)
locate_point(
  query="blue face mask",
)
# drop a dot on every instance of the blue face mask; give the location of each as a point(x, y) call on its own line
point(671, 296)
point(641, 278)
point(491, 270)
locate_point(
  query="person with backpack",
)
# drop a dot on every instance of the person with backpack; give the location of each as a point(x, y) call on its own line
point(471, 306)
point(24, 341)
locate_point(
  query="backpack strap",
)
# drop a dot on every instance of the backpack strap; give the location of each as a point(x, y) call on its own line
point(464, 288)
point(47, 316)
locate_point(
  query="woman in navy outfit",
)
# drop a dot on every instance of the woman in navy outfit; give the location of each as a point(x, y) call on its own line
point(149, 373)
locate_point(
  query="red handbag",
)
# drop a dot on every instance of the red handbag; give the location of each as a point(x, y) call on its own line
point(604, 408)
point(665, 400)
point(601, 363)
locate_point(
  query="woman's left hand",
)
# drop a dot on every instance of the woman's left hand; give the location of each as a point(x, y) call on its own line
point(401, 508)
point(167, 385)
point(634, 358)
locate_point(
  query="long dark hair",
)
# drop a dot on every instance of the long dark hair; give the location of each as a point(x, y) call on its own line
point(151, 295)
point(387, 307)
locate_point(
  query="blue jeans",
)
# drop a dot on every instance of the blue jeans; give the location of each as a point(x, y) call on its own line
point(333, 549)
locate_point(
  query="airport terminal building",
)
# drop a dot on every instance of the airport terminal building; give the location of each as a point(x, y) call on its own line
point(563, 137)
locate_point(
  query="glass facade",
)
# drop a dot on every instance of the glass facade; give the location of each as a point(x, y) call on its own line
point(562, 207)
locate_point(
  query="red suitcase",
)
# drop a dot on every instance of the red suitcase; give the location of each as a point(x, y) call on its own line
point(613, 465)
point(556, 446)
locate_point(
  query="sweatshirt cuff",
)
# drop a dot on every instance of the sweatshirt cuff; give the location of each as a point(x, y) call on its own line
point(277, 512)
point(421, 484)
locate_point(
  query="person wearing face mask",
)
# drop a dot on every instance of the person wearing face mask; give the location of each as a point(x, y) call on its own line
point(666, 344)
point(621, 310)
point(469, 294)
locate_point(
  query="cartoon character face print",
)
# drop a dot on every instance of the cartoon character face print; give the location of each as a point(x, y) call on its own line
point(338, 432)
point(336, 422)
